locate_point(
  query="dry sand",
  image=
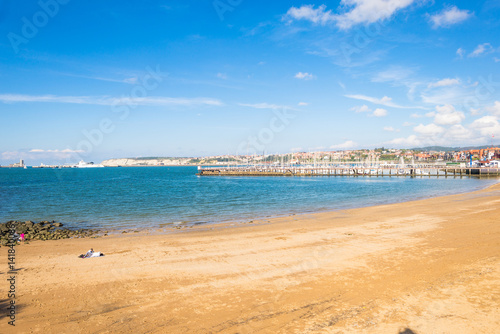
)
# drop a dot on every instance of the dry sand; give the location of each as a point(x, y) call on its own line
point(429, 266)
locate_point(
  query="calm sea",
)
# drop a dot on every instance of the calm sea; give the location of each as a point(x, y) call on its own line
point(145, 197)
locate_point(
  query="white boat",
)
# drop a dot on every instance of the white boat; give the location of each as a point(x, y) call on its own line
point(83, 164)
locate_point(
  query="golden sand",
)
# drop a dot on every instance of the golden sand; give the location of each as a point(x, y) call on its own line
point(429, 266)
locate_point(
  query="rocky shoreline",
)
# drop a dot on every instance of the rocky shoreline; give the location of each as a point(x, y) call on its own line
point(43, 230)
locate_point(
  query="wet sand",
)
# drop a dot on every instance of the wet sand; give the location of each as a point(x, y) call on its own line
point(428, 266)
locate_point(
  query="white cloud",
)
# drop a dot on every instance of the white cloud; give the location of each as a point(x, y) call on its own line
point(369, 11)
point(304, 76)
point(379, 112)
point(110, 101)
point(303, 104)
point(408, 124)
point(385, 101)
point(359, 12)
point(345, 145)
point(447, 115)
point(416, 115)
point(484, 48)
point(444, 82)
point(363, 108)
point(460, 52)
point(390, 129)
point(449, 16)
point(429, 129)
point(457, 133)
point(495, 109)
point(487, 126)
point(307, 12)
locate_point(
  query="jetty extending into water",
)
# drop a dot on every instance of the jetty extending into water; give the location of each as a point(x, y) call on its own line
point(412, 171)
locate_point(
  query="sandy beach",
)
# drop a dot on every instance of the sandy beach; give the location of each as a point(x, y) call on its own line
point(428, 266)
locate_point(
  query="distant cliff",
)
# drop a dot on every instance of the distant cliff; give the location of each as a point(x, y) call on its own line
point(127, 162)
point(171, 161)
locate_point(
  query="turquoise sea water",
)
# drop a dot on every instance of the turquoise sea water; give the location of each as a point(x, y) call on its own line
point(144, 197)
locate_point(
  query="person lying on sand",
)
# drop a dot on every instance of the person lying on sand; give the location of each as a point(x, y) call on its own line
point(91, 253)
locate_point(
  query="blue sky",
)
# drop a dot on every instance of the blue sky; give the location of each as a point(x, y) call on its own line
point(107, 79)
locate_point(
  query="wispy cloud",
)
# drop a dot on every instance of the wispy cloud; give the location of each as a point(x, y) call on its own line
point(265, 105)
point(304, 76)
point(358, 12)
point(481, 49)
point(127, 78)
point(385, 101)
point(396, 74)
point(222, 76)
point(449, 17)
point(110, 101)
point(444, 82)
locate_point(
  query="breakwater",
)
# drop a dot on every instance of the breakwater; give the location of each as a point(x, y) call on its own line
point(346, 171)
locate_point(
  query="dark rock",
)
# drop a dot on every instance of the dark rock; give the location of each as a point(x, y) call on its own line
point(21, 229)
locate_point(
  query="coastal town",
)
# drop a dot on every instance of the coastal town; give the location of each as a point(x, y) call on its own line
point(378, 155)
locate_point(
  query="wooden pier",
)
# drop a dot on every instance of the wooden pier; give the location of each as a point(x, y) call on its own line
point(354, 171)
